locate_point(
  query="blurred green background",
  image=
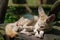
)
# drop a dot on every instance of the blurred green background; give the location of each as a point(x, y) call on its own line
point(16, 8)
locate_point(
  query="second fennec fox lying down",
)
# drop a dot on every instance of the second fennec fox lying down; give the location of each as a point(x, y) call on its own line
point(44, 23)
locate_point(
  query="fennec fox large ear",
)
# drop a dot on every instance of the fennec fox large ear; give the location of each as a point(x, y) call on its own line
point(50, 18)
point(42, 13)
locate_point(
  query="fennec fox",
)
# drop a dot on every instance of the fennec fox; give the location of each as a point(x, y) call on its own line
point(11, 28)
point(44, 23)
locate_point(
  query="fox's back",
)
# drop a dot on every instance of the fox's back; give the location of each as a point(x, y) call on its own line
point(9, 30)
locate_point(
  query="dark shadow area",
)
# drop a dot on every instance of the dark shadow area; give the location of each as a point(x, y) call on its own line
point(55, 9)
point(51, 1)
point(20, 10)
point(19, 1)
point(34, 10)
point(54, 32)
point(23, 11)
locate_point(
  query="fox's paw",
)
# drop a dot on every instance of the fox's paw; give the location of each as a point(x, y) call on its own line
point(26, 33)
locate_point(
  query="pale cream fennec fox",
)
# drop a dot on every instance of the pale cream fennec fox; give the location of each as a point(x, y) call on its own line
point(21, 22)
point(11, 28)
point(44, 23)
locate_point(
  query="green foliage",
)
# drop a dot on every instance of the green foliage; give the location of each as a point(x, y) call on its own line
point(10, 17)
point(1, 38)
point(58, 16)
point(11, 9)
point(33, 3)
point(46, 9)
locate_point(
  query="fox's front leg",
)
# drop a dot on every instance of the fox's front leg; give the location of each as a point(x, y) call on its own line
point(41, 34)
point(36, 32)
point(24, 31)
point(36, 29)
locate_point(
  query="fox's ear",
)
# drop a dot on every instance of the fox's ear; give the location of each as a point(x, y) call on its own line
point(50, 18)
point(41, 11)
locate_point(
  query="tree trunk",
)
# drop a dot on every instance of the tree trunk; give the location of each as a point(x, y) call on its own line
point(3, 7)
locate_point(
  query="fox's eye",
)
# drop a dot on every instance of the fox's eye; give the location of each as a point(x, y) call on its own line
point(42, 27)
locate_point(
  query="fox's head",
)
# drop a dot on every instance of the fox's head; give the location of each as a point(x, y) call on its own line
point(45, 22)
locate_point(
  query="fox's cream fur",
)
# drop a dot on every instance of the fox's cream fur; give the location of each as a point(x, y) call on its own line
point(26, 21)
point(44, 22)
point(11, 28)
point(28, 25)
